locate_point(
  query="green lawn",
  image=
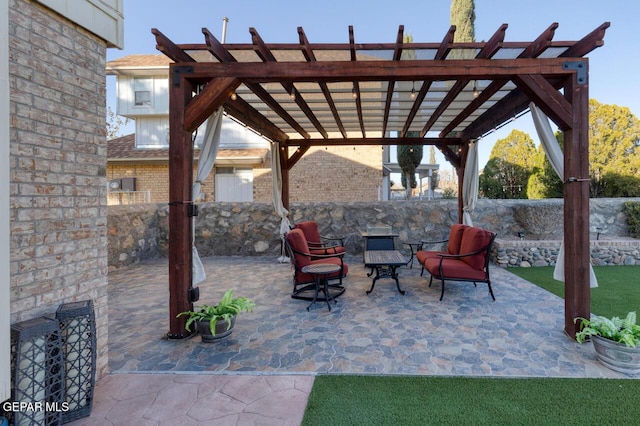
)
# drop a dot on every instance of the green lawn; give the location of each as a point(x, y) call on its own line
point(618, 290)
point(424, 400)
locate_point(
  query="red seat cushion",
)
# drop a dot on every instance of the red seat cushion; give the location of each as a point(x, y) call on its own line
point(327, 250)
point(423, 255)
point(473, 240)
point(454, 269)
point(455, 238)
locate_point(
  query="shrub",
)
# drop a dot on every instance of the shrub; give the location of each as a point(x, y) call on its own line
point(632, 211)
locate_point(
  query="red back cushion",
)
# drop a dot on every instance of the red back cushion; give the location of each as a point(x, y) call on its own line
point(310, 230)
point(455, 238)
point(297, 241)
point(475, 239)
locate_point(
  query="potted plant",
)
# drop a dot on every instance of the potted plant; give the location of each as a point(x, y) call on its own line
point(216, 321)
point(616, 341)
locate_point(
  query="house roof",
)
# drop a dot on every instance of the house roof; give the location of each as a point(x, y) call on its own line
point(123, 149)
point(139, 65)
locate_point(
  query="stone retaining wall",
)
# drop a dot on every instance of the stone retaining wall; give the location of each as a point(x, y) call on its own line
point(138, 233)
point(544, 253)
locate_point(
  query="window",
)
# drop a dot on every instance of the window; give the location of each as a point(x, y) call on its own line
point(142, 87)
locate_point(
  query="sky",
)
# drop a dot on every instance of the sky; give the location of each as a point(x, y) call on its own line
point(614, 76)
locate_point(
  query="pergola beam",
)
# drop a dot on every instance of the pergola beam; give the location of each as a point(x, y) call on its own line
point(406, 70)
point(441, 54)
point(219, 51)
point(550, 101)
point(265, 54)
point(397, 54)
point(535, 49)
point(214, 94)
point(245, 113)
point(310, 56)
point(356, 85)
point(374, 141)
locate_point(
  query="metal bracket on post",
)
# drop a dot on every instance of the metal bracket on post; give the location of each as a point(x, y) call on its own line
point(581, 67)
point(177, 71)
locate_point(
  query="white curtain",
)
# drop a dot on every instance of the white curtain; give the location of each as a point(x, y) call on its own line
point(470, 184)
point(276, 185)
point(556, 158)
point(206, 160)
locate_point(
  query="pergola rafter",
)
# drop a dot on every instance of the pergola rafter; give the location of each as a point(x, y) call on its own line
point(331, 94)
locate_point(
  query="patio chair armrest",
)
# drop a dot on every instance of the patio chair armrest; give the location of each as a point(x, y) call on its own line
point(333, 239)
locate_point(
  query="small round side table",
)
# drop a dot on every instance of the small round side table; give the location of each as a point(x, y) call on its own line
point(321, 272)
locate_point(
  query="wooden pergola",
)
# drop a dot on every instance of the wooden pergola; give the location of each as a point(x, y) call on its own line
point(305, 94)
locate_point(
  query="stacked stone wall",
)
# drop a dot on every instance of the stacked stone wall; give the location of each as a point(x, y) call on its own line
point(58, 188)
point(251, 229)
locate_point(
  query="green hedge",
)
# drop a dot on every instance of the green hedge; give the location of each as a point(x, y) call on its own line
point(632, 210)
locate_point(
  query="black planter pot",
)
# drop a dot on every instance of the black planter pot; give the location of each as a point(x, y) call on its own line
point(222, 329)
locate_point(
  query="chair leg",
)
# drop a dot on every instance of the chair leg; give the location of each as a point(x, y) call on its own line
point(422, 270)
point(442, 292)
point(430, 280)
point(491, 291)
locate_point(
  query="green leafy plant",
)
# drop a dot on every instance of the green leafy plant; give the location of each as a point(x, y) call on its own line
point(632, 211)
point(618, 330)
point(226, 308)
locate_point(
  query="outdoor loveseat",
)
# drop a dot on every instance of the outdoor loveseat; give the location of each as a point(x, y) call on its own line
point(466, 257)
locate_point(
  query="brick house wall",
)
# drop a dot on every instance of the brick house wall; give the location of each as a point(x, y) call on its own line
point(334, 174)
point(338, 173)
point(58, 209)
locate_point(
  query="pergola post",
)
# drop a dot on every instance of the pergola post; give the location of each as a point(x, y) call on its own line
point(180, 204)
point(576, 205)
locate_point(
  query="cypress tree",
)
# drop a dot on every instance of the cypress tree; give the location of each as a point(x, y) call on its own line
point(463, 16)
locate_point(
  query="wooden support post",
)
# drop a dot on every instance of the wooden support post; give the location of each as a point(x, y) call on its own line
point(576, 208)
point(180, 182)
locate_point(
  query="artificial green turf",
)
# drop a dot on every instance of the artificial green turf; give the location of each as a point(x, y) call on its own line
point(618, 290)
point(424, 400)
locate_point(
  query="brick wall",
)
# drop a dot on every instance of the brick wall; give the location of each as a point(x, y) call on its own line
point(58, 163)
point(154, 178)
point(332, 174)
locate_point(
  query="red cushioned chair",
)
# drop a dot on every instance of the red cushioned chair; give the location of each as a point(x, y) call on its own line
point(453, 245)
point(319, 244)
point(300, 255)
point(470, 264)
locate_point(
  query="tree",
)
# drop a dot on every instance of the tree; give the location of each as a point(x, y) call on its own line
point(510, 164)
point(409, 158)
point(544, 181)
point(463, 16)
point(114, 124)
point(614, 151)
point(435, 176)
